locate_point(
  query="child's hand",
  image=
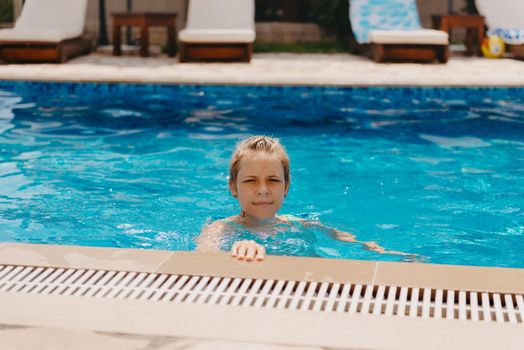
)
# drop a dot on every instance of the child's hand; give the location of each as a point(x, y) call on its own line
point(248, 250)
point(408, 257)
point(374, 247)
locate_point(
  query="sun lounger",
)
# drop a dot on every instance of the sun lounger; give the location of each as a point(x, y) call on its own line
point(391, 28)
point(505, 18)
point(46, 31)
point(218, 31)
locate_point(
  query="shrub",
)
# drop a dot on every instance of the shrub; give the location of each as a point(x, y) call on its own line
point(6, 11)
point(470, 7)
point(332, 16)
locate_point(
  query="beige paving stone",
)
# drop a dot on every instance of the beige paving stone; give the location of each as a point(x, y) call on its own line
point(43, 338)
point(482, 279)
point(277, 69)
point(30, 338)
point(193, 344)
point(82, 257)
point(504, 280)
point(273, 267)
point(253, 325)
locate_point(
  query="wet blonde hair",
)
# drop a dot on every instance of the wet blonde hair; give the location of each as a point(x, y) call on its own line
point(259, 143)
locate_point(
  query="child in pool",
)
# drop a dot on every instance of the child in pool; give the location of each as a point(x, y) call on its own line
point(259, 179)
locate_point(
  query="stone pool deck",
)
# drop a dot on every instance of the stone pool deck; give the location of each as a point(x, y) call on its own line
point(276, 69)
point(66, 311)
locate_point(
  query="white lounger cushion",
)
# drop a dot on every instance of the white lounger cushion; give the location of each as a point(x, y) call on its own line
point(502, 13)
point(220, 21)
point(504, 18)
point(420, 36)
point(48, 21)
point(52, 36)
point(217, 35)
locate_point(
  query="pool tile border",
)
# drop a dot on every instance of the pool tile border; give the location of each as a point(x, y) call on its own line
point(485, 279)
point(96, 89)
point(82, 257)
point(273, 267)
point(482, 279)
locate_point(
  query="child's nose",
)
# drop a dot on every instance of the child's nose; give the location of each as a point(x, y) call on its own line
point(263, 190)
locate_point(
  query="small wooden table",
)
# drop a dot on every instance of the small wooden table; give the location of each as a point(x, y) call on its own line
point(144, 21)
point(472, 24)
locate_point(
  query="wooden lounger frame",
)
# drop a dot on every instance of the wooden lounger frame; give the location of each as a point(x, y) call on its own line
point(516, 50)
point(27, 51)
point(206, 52)
point(411, 52)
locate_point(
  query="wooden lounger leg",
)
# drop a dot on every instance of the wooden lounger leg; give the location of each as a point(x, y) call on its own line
point(248, 52)
point(61, 56)
point(442, 53)
point(171, 40)
point(117, 40)
point(182, 54)
point(378, 51)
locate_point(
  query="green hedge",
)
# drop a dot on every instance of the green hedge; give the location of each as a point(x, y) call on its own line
point(6, 11)
point(470, 7)
point(333, 17)
point(320, 47)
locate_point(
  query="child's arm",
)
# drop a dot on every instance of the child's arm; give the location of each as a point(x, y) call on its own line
point(210, 237)
point(348, 237)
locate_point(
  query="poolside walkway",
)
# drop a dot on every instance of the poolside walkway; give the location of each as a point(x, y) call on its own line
point(63, 297)
point(52, 338)
point(276, 69)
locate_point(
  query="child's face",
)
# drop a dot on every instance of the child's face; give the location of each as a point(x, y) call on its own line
point(260, 186)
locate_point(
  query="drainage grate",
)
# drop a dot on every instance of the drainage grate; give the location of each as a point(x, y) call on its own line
point(261, 293)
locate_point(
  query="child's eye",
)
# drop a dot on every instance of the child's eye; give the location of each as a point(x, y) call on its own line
point(248, 181)
point(274, 180)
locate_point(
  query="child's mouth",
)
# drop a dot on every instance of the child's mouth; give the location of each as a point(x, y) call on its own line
point(262, 204)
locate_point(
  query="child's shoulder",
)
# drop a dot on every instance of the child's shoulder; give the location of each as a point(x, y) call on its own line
point(288, 218)
point(225, 222)
point(217, 226)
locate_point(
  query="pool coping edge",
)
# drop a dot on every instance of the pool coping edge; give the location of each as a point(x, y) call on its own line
point(456, 277)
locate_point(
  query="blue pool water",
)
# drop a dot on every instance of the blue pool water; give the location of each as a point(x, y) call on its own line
point(437, 172)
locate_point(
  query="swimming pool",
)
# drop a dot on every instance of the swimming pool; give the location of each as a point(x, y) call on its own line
point(433, 171)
